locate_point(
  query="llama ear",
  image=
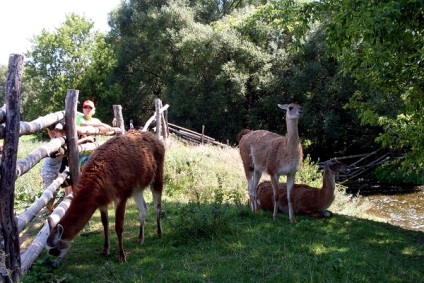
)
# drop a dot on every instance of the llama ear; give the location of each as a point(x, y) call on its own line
point(60, 230)
point(50, 222)
point(283, 106)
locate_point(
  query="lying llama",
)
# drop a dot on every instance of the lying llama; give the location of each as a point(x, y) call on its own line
point(120, 168)
point(305, 199)
point(264, 151)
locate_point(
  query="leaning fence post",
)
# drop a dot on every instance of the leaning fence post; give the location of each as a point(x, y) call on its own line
point(71, 103)
point(158, 119)
point(8, 223)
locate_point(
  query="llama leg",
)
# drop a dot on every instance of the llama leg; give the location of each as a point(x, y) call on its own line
point(274, 183)
point(119, 226)
point(290, 183)
point(142, 208)
point(105, 222)
point(157, 201)
point(253, 184)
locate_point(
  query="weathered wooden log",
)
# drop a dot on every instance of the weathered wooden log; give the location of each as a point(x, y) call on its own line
point(187, 130)
point(8, 169)
point(71, 102)
point(117, 114)
point(27, 128)
point(90, 130)
point(35, 156)
point(153, 118)
point(90, 146)
point(192, 135)
point(38, 244)
point(25, 217)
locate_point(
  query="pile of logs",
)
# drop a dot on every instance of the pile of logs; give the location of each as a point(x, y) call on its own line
point(192, 137)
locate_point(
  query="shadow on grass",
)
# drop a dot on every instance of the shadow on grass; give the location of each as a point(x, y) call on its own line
point(225, 243)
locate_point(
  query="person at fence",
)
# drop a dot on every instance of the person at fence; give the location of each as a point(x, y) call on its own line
point(87, 119)
point(54, 165)
point(131, 125)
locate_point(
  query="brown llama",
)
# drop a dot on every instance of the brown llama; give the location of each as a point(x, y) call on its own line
point(120, 168)
point(306, 200)
point(264, 151)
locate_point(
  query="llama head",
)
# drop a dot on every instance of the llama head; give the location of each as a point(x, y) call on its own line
point(294, 111)
point(54, 244)
point(335, 166)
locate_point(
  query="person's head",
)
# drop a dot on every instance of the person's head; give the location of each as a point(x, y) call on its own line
point(88, 108)
point(58, 129)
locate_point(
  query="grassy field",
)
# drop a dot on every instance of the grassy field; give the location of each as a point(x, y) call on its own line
point(210, 235)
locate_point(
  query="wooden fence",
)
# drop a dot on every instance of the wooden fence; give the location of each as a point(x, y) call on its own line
point(14, 262)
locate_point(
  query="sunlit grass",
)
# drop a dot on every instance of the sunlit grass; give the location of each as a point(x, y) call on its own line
point(211, 235)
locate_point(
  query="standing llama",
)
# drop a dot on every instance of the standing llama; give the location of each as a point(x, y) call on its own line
point(120, 168)
point(305, 199)
point(264, 151)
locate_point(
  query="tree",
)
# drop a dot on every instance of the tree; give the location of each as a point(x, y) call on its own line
point(380, 43)
point(63, 60)
point(204, 71)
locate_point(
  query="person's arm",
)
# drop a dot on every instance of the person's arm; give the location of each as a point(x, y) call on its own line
point(86, 139)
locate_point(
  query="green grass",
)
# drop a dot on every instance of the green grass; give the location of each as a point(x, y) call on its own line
point(210, 235)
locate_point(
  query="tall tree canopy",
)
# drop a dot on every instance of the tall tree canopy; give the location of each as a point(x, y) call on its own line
point(68, 58)
point(231, 73)
point(381, 44)
point(355, 66)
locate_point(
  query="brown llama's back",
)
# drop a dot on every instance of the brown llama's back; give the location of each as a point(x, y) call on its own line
point(300, 193)
point(133, 160)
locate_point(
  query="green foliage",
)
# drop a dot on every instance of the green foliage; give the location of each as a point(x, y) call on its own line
point(380, 44)
point(71, 57)
point(3, 79)
point(198, 222)
point(392, 173)
point(43, 271)
point(231, 73)
point(29, 186)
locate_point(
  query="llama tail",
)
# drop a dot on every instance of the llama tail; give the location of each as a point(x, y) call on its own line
point(242, 133)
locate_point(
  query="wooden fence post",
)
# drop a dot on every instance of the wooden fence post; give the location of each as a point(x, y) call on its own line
point(71, 103)
point(158, 104)
point(117, 114)
point(8, 170)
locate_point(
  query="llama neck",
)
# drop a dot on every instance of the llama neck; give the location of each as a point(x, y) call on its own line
point(77, 216)
point(328, 185)
point(292, 132)
point(294, 148)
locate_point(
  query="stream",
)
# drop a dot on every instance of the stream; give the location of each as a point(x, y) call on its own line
point(400, 206)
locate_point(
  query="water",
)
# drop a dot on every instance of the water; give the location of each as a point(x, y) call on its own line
point(401, 206)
